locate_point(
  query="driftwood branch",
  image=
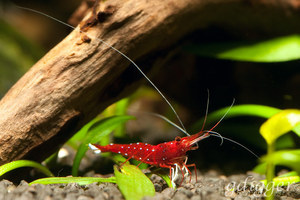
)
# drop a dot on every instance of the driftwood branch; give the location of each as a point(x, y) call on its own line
point(81, 76)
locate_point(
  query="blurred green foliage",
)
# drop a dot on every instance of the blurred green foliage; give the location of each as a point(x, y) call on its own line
point(280, 49)
point(17, 55)
point(276, 126)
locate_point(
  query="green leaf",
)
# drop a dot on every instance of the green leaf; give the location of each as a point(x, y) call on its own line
point(167, 179)
point(260, 168)
point(279, 49)
point(121, 108)
point(81, 134)
point(133, 183)
point(283, 181)
point(280, 124)
point(79, 180)
point(23, 163)
point(165, 176)
point(289, 158)
point(98, 130)
point(291, 173)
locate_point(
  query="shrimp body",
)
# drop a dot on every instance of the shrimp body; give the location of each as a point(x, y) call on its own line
point(167, 155)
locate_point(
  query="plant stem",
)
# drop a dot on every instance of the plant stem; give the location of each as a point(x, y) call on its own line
point(270, 173)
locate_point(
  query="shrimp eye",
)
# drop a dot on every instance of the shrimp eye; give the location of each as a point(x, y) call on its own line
point(177, 139)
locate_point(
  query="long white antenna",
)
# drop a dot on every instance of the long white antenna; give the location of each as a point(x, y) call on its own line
point(154, 86)
point(223, 116)
point(125, 56)
point(239, 144)
point(164, 118)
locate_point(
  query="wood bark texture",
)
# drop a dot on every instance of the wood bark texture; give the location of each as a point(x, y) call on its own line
point(81, 76)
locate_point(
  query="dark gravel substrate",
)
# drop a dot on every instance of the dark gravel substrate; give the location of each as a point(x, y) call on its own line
point(210, 185)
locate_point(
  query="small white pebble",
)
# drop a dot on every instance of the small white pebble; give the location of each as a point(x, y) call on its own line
point(62, 153)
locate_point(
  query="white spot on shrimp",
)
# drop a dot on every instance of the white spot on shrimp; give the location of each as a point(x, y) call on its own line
point(134, 148)
point(111, 144)
point(122, 147)
point(119, 151)
point(146, 144)
point(95, 149)
point(171, 143)
point(128, 147)
point(164, 159)
point(138, 143)
point(125, 154)
point(153, 149)
point(148, 159)
point(141, 148)
point(140, 158)
point(130, 144)
point(147, 149)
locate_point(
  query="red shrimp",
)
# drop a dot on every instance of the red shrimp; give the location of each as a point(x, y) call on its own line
point(167, 155)
point(171, 155)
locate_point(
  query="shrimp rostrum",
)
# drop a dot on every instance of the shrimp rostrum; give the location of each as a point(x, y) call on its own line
point(171, 155)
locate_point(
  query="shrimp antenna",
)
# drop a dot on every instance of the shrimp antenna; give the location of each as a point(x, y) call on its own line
point(222, 116)
point(125, 56)
point(166, 119)
point(46, 15)
point(206, 110)
point(239, 144)
point(214, 133)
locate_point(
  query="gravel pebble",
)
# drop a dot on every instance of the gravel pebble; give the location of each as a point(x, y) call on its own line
point(196, 197)
point(184, 191)
point(208, 186)
point(81, 197)
point(168, 192)
point(158, 187)
point(179, 196)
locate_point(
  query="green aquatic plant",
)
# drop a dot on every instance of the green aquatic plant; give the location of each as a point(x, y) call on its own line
point(133, 183)
point(94, 134)
point(276, 126)
point(279, 49)
point(279, 122)
point(24, 163)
